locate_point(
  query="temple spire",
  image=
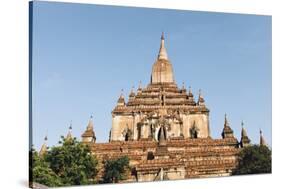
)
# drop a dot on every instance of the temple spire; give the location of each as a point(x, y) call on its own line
point(44, 147)
point(132, 94)
point(227, 132)
point(90, 124)
point(183, 85)
point(262, 140)
point(243, 131)
point(162, 69)
point(121, 100)
point(225, 121)
point(245, 141)
point(201, 100)
point(69, 134)
point(162, 51)
point(89, 134)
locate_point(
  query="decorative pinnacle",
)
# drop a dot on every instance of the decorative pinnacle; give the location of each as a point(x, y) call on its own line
point(225, 119)
point(90, 124)
point(262, 140)
point(162, 51)
point(70, 126)
point(162, 36)
point(122, 93)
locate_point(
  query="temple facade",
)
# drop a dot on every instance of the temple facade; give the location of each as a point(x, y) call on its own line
point(162, 104)
point(165, 132)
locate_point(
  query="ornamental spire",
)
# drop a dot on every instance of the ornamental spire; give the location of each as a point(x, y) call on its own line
point(201, 100)
point(132, 93)
point(44, 147)
point(245, 141)
point(262, 140)
point(162, 51)
point(227, 132)
point(243, 131)
point(162, 69)
point(90, 124)
point(89, 134)
point(69, 134)
point(121, 100)
point(225, 121)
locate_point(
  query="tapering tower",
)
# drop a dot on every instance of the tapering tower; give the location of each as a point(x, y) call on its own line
point(162, 70)
point(44, 147)
point(89, 134)
point(69, 133)
point(160, 105)
point(262, 140)
point(227, 131)
point(245, 141)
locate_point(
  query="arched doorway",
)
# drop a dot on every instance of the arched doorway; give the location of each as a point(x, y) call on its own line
point(159, 133)
point(126, 137)
point(193, 132)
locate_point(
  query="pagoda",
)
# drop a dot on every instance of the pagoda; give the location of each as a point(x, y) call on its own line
point(161, 100)
point(165, 132)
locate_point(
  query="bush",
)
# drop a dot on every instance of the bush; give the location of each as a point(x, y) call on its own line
point(69, 164)
point(253, 160)
point(114, 170)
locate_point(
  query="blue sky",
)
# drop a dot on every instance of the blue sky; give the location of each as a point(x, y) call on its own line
point(83, 55)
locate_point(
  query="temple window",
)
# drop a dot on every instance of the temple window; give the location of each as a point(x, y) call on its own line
point(193, 132)
point(126, 137)
point(150, 156)
point(159, 133)
point(127, 134)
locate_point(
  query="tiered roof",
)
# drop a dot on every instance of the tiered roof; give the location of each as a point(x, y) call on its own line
point(161, 92)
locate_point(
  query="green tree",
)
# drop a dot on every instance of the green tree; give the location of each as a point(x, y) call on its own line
point(72, 162)
point(41, 172)
point(253, 160)
point(114, 170)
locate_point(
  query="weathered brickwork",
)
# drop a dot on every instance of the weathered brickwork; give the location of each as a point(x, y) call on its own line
point(165, 132)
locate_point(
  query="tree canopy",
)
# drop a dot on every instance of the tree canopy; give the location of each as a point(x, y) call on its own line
point(68, 164)
point(114, 170)
point(42, 173)
point(253, 160)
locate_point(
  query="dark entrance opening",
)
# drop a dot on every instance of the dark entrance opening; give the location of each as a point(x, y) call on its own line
point(159, 133)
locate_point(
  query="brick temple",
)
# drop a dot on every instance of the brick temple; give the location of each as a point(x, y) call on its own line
point(165, 132)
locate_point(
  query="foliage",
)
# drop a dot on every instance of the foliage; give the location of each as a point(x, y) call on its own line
point(72, 162)
point(68, 164)
point(41, 172)
point(253, 160)
point(114, 170)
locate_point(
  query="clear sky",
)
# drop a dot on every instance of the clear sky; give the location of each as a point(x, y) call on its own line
point(83, 55)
